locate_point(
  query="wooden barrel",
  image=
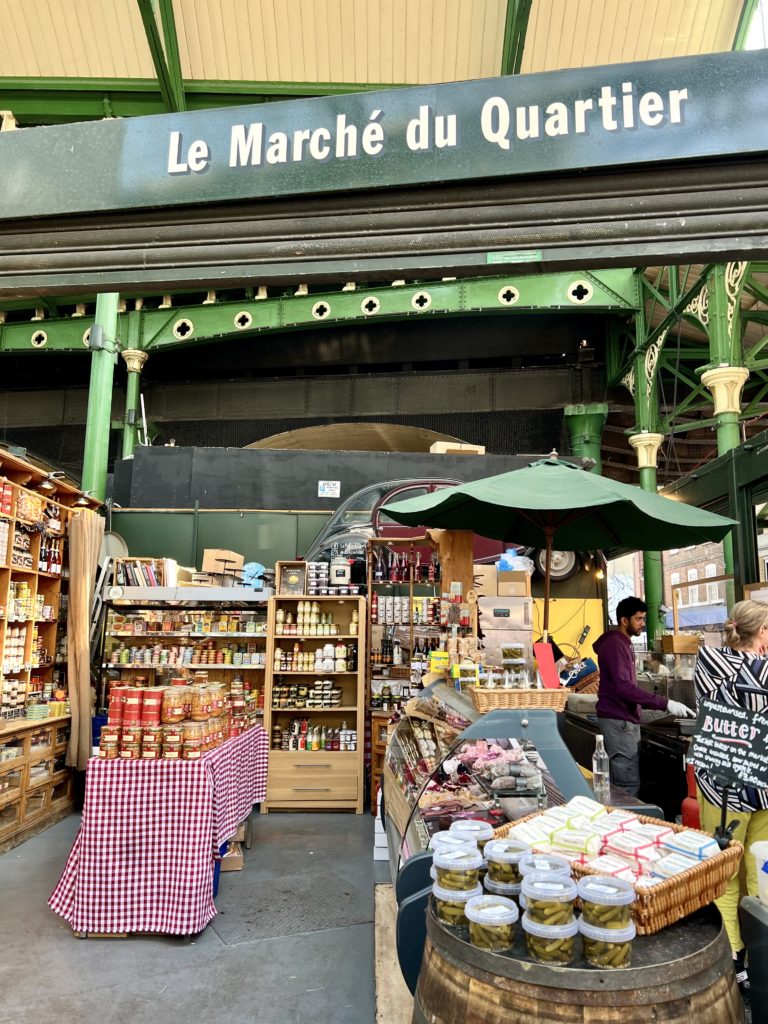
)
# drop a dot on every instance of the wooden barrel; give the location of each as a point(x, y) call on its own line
point(684, 973)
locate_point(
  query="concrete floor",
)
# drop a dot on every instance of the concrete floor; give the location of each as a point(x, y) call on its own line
point(49, 977)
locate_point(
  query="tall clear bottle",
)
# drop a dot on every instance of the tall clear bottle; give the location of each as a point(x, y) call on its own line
point(601, 772)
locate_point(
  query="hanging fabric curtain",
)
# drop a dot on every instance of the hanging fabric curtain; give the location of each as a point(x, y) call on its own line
point(86, 532)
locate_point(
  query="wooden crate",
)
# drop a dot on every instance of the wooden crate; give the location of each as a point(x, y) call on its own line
point(679, 643)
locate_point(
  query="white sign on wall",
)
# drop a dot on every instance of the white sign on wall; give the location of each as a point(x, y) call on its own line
point(329, 488)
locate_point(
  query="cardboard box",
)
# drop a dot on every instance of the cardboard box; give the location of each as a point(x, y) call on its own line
point(485, 583)
point(513, 584)
point(495, 639)
point(211, 561)
point(233, 859)
point(456, 448)
point(502, 613)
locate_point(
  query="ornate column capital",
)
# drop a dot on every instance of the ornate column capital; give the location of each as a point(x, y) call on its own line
point(134, 359)
point(646, 445)
point(726, 383)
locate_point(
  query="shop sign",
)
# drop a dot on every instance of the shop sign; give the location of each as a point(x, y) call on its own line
point(731, 744)
point(684, 108)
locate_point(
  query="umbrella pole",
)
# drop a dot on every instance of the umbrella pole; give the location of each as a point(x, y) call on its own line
point(548, 569)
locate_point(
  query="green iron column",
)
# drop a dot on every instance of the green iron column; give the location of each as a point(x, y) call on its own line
point(585, 426)
point(646, 440)
point(134, 361)
point(725, 375)
point(103, 345)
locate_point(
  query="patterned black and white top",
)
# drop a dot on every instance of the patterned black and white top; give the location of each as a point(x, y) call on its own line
point(718, 674)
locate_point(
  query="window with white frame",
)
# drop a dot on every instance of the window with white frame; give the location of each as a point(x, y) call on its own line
point(713, 589)
point(674, 579)
point(693, 592)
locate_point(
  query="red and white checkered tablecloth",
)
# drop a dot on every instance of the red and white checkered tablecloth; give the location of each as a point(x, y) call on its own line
point(143, 857)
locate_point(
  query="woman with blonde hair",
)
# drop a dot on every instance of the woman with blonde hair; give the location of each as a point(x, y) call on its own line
point(720, 674)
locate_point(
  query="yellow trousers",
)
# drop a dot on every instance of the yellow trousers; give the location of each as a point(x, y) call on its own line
point(752, 827)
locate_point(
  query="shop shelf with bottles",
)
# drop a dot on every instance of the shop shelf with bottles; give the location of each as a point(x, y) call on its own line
point(314, 706)
point(404, 591)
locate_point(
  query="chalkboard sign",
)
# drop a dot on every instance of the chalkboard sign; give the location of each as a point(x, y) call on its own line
point(732, 744)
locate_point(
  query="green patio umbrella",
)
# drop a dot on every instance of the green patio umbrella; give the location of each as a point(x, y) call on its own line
point(554, 504)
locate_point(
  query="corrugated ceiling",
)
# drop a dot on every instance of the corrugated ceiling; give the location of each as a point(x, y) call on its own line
point(352, 41)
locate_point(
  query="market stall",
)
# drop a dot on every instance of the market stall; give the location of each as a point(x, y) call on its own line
point(143, 859)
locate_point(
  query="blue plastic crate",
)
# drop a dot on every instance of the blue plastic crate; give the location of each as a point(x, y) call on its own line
point(97, 723)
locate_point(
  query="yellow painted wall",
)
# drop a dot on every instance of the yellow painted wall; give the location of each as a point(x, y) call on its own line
point(567, 618)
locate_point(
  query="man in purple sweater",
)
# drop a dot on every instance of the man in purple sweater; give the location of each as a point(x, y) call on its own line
point(618, 714)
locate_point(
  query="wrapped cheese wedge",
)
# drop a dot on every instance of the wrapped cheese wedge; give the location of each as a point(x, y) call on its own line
point(691, 844)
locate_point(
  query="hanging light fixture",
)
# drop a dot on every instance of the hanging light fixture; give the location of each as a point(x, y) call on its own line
point(48, 484)
point(82, 501)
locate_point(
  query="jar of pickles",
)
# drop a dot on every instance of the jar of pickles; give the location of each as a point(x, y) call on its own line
point(480, 831)
point(606, 901)
point(550, 944)
point(548, 897)
point(491, 922)
point(457, 869)
point(450, 904)
point(503, 856)
point(607, 948)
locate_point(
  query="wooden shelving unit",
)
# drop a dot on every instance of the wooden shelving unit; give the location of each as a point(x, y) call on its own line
point(194, 626)
point(35, 784)
point(317, 779)
point(29, 597)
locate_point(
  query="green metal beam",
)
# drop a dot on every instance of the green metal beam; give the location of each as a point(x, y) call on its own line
point(515, 28)
point(748, 9)
point(172, 57)
point(612, 291)
point(161, 37)
point(39, 101)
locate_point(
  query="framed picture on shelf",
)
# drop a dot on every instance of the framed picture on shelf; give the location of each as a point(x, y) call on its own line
point(291, 578)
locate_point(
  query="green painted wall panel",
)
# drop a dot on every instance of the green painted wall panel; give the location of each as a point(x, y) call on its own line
point(308, 529)
point(259, 536)
point(157, 534)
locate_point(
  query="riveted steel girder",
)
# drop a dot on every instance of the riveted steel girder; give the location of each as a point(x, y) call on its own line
point(608, 291)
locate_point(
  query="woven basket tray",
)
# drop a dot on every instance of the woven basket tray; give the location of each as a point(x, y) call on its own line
point(491, 700)
point(675, 898)
point(589, 684)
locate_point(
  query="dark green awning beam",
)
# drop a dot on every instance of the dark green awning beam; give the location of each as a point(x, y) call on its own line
point(164, 47)
point(515, 29)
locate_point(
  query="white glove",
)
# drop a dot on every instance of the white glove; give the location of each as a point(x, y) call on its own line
point(674, 707)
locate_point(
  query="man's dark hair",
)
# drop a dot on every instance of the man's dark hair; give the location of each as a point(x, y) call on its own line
point(628, 607)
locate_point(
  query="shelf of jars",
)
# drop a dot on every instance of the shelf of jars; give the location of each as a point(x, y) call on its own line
point(314, 703)
point(145, 647)
point(32, 565)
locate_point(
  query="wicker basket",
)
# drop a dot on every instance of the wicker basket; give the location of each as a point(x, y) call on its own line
point(491, 700)
point(399, 672)
point(589, 684)
point(670, 901)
